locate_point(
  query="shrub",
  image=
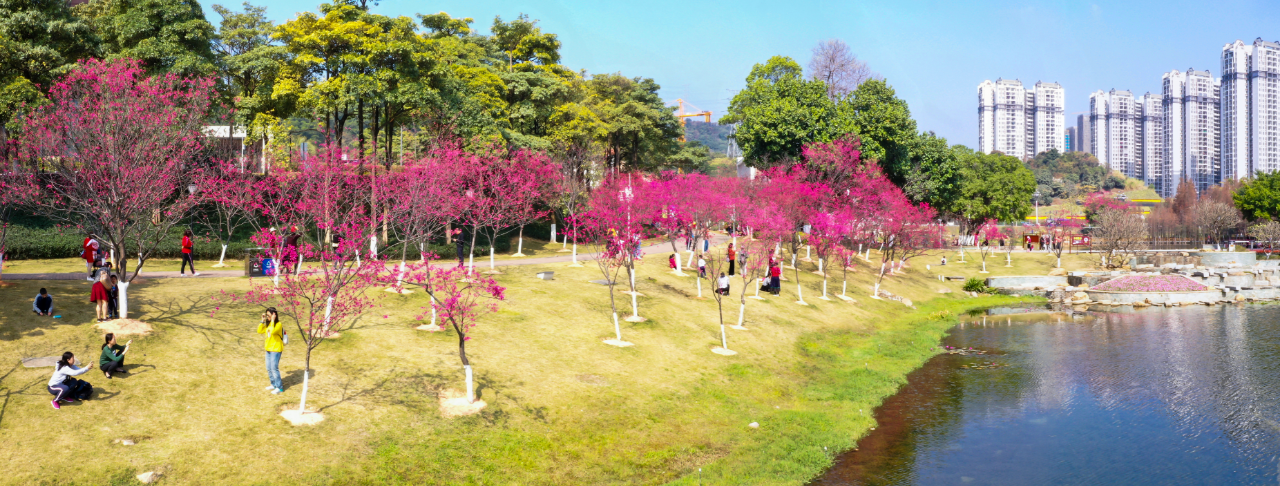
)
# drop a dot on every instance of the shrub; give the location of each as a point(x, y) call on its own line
point(975, 284)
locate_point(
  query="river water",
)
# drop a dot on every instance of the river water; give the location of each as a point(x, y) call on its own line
point(1166, 396)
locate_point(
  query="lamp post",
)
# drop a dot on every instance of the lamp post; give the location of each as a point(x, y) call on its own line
point(192, 188)
point(1037, 196)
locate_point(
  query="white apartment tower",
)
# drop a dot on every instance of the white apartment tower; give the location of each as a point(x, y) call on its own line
point(1249, 108)
point(1149, 129)
point(1191, 130)
point(1020, 122)
point(1112, 116)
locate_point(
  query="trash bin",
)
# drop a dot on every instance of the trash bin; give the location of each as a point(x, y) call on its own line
point(257, 264)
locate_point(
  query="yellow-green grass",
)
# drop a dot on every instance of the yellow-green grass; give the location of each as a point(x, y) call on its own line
point(564, 408)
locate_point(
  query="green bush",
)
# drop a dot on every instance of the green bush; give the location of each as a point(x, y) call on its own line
point(976, 285)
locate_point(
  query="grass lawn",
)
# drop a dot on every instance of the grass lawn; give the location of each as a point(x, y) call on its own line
point(563, 409)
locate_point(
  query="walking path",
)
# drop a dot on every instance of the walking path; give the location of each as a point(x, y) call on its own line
point(481, 263)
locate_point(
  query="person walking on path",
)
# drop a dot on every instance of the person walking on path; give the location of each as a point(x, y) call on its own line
point(290, 253)
point(112, 359)
point(270, 325)
point(43, 304)
point(733, 258)
point(89, 252)
point(702, 267)
point(187, 259)
point(459, 247)
point(64, 369)
point(99, 296)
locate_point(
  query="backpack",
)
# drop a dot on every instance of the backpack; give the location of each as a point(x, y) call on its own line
point(79, 389)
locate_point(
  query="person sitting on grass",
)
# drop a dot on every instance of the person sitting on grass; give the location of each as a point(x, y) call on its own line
point(112, 360)
point(62, 371)
point(722, 284)
point(43, 305)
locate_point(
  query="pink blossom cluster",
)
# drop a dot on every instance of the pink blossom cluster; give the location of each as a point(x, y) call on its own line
point(1151, 283)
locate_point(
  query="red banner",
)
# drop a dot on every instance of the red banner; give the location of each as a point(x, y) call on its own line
point(1079, 240)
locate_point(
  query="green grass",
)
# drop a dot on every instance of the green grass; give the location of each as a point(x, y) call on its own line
point(563, 407)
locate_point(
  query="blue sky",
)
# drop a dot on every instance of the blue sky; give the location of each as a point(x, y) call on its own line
point(933, 53)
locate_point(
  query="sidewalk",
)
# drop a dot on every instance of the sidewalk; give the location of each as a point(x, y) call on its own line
point(481, 263)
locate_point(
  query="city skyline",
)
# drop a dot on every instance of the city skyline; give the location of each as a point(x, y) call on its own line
point(932, 53)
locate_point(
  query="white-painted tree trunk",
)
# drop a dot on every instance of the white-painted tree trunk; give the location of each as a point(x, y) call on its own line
point(820, 267)
point(635, 308)
point(123, 302)
point(724, 340)
point(575, 252)
point(875, 292)
point(806, 251)
point(1008, 259)
point(799, 292)
point(679, 262)
point(564, 242)
point(690, 264)
point(400, 277)
point(373, 247)
point(223, 256)
point(699, 287)
point(433, 313)
point(491, 262)
point(302, 405)
point(617, 329)
point(793, 260)
point(844, 287)
point(422, 253)
point(824, 289)
point(471, 386)
point(520, 245)
point(984, 266)
point(1060, 262)
point(471, 262)
point(553, 232)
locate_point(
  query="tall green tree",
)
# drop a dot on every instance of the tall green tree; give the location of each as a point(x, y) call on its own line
point(779, 112)
point(1259, 197)
point(250, 61)
point(166, 35)
point(992, 186)
point(934, 175)
point(39, 41)
point(639, 131)
point(883, 122)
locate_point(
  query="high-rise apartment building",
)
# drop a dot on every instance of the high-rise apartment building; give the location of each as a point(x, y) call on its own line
point(1191, 127)
point(1250, 113)
point(1149, 130)
point(1020, 122)
point(1085, 131)
point(1112, 116)
point(1070, 140)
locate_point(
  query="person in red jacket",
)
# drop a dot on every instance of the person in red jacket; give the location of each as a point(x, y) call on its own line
point(186, 255)
point(89, 254)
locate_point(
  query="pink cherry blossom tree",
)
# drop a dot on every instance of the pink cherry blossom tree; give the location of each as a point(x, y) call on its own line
point(225, 186)
point(908, 231)
point(989, 231)
point(419, 203)
point(1060, 229)
point(533, 182)
point(117, 150)
point(615, 231)
point(827, 230)
point(324, 300)
point(794, 201)
point(462, 299)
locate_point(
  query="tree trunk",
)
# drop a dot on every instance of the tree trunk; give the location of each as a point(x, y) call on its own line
point(466, 364)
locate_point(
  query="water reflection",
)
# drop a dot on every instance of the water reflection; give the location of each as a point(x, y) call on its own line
point(1154, 396)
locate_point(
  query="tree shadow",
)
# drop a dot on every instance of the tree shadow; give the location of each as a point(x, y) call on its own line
point(133, 370)
point(294, 377)
point(70, 300)
point(189, 312)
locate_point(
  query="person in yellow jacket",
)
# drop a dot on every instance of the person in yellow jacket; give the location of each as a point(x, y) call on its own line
point(276, 337)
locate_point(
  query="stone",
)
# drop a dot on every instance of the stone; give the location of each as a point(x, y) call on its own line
point(148, 477)
point(1083, 286)
point(1080, 296)
point(1058, 272)
point(754, 425)
point(1240, 298)
point(1184, 254)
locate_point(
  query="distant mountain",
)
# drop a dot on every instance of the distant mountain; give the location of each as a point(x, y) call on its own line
point(714, 136)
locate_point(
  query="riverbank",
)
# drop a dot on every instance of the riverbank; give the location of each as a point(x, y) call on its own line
point(563, 407)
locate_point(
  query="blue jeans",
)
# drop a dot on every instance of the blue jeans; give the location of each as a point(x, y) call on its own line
point(273, 369)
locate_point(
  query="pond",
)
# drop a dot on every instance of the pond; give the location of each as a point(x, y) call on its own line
point(1163, 396)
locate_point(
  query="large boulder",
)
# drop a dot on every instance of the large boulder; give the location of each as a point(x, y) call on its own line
point(1058, 272)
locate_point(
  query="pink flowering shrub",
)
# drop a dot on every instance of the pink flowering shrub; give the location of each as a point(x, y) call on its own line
point(1153, 283)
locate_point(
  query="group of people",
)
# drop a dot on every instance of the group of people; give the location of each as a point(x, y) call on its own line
point(63, 385)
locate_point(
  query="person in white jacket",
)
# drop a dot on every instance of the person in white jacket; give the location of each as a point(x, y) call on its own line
point(61, 372)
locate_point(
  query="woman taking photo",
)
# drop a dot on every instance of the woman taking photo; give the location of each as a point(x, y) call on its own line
point(112, 360)
point(270, 325)
point(61, 372)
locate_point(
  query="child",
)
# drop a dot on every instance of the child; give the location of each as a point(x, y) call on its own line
point(113, 299)
point(702, 267)
point(671, 261)
point(43, 305)
point(944, 259)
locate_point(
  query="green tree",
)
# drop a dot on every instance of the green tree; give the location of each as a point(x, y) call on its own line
point(639, 131)
point(39, 41)
point(779, 112)
point(521, 41)
point(934, 177)
point(166, 35)
point(1259, 197)
point(250, 63)
point(993, 186)
point(884, 124)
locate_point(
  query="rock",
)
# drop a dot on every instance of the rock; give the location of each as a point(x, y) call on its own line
point(1058, 272)
point(754, 425)
point(1083, 286)
point(148, 477)
point(1237, 273)
point(1105, 302)
point(944, 291)
point(1240, 298)
point(1140, 304)
point(1184, 253)
point(1080, 296)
